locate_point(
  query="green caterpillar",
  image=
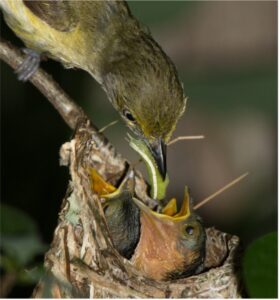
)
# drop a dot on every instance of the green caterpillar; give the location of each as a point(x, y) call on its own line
point(158, 186)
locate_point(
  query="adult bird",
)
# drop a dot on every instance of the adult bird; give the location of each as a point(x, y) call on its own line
point(162, 246)
point(104, 39)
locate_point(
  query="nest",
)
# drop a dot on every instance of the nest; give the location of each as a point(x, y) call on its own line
point(82, 261)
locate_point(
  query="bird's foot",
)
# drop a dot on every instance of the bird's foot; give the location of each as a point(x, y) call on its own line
point(29, 66)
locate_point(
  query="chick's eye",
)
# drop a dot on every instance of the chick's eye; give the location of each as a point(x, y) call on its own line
point(128, 115)
point(189, 230)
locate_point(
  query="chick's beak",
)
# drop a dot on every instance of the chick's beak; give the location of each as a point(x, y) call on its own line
point(158, 150)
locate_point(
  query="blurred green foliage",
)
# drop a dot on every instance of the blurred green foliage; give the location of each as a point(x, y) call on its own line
point(20, 244)
point(260, 267)
point(155, 12)
point(239, 91)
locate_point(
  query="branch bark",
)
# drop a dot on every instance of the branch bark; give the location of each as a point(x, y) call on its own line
point(82, 261)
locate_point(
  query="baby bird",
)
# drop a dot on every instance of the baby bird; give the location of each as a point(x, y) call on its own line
point(163, 246)
point(170, 247)
point(123, 217)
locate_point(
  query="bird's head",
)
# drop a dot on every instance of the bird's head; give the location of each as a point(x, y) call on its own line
point(121, 213)
point(145, 90)
point(172, 245)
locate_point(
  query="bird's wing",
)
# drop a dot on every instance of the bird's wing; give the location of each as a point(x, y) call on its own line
point(59, 14)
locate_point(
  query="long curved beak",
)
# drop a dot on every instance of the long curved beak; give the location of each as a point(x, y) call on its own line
point(158, 150)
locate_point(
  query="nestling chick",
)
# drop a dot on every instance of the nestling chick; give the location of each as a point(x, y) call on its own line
point(161, 246)
point(170, 246)
point(123, 217)
point(104, 39)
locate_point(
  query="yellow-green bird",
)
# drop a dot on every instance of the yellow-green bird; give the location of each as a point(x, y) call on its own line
point(104, 39)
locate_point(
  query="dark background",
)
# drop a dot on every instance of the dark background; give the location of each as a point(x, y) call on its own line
point(226, 55)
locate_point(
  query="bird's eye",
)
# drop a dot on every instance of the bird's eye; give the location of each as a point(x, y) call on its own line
point(128, 115)
point(189, 230)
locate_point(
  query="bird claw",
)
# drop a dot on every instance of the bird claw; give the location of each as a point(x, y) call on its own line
point(29, 65)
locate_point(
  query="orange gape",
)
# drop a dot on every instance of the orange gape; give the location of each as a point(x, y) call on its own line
point(99, 185)
point(170, 245)
point(156, 254)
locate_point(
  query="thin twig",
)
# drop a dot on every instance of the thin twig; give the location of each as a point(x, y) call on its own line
point(67, 108)
point(201, 203)
point(187, 137)
point(107, 126)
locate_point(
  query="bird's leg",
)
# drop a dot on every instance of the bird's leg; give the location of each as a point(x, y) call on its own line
point(30, 64)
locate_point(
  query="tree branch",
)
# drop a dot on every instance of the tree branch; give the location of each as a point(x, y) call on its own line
point(67, 108)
